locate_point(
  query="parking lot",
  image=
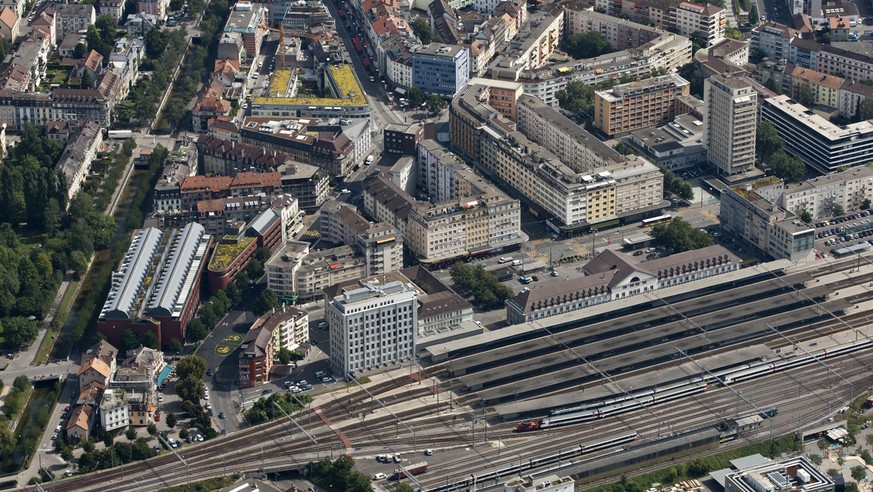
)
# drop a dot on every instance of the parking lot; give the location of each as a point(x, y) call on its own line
point(841, 232)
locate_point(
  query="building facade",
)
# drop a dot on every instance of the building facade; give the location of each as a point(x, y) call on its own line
point(372, 326)
point(642, 104)
point(822, 145)
point(731, 121)
point(441, 69)
point(750, 211)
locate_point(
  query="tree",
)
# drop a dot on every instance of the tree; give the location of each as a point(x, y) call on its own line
point(421, 29)
point(19, 331)
point(404, 487)
point(191, 366)
point(78, 263)
point(786, 167)
point(130, 434)
point(175, 346)
point(191, 389)
point(88, 446)
point(21, 383)
point(851, 487)
point(435, 104)
point(415, 96)
point(171, 420)
point(816, 458)
point(859, 473)
point(265, 301)
point(587, 44)
point(767, 141)
point(86, 81)
point(576, 97)
point(196, 331)
point(837, 210)
point(805, 95)
point(865, 204)
point(284, 355)
point(680, 236)
point(865, 109)
point(79, 51)
point(152, 429)
point(753, 14)
point(773, 86)
point(806, 216)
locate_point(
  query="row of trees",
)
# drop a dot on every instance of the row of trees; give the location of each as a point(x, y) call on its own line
point(16, 397)
point(164, 50)
point(117, 454)
point(676, 185)
point(680, 236)
point(264, 410)
point(771, 148)
point(190, 370)
point(488, 292)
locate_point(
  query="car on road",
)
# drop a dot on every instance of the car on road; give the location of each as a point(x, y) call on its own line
point(157, 417)
point(68, 473)
point(428, 452)
point(221, 415)
point(55, 436)
point(322, 325)
point(554, 273)
point(266, 391)
point(397, 458)
point(209, 373)
point(345, 191)
point(379, 476)
point(370, 159)
point(327, 379)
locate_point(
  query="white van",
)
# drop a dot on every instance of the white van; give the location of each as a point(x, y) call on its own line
point(504, 259)
point(370, 159)
point(517, 262)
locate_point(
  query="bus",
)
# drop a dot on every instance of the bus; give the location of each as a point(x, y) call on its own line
point(661, 219)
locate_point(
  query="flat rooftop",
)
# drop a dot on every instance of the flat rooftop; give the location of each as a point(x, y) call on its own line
point(817, 124)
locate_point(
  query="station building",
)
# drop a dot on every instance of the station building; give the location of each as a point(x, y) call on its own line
point(611, 276)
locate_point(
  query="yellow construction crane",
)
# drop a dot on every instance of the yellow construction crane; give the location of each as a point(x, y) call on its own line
point(280, 54)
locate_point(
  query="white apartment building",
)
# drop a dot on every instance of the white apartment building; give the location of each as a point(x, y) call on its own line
point(822, 145)
point(731, 121)
point(114, 410)
point(372, 326)
point(819, 195)
point(292, 327)
point(399, 70)
point(281, 268)
point(750, 211)
point(708, 20)
point(480, 218)
point(640, 49)
point(569, 142)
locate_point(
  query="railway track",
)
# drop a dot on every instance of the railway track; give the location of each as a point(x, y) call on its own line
point(438, 425)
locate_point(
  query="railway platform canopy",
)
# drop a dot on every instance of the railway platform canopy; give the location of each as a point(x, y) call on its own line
point(441, 352)
point(649, 378)
point(644, 348)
